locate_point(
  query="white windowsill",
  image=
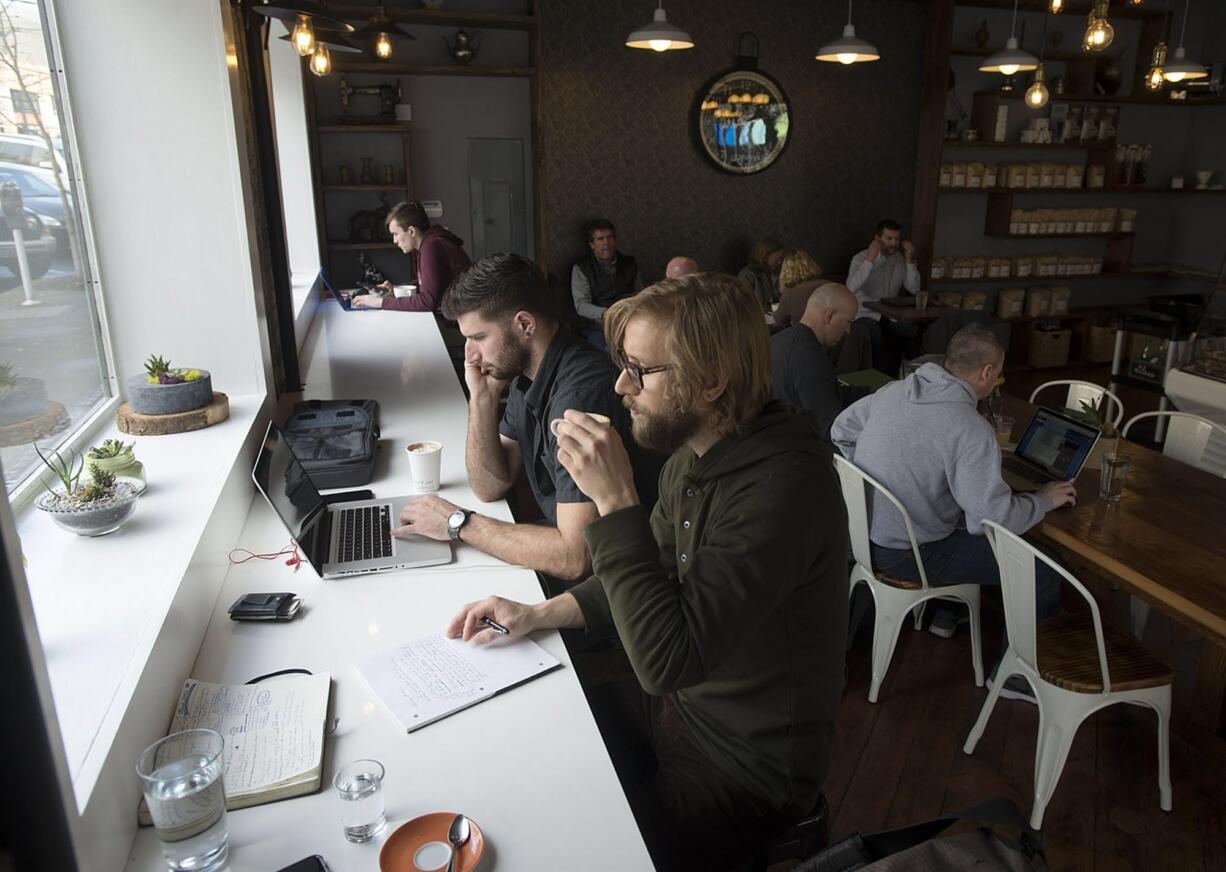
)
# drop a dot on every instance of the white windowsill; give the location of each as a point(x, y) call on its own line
point(101, 603)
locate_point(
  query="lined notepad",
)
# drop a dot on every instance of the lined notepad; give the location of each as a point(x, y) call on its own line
point(423, 681)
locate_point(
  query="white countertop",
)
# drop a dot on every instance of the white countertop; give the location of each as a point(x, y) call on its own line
point(528, 766)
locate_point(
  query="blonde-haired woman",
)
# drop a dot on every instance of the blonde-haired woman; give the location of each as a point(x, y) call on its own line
point(799, 277)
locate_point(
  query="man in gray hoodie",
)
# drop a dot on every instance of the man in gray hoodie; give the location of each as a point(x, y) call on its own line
point(923, 439)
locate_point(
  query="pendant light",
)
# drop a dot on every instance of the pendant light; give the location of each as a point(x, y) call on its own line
point(382, 34)
point(292, 12)
point(1099, 32)
point(1037, 94)
point(303, 36)
point(1155, 76)
point(336, 42)
point(848, 48)
point(321, 61)
point(1010, 59)
point(1181, 68)
point(660, 35)
point(1055, 7)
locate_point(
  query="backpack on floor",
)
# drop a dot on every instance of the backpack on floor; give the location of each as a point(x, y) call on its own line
point(335, 440)
point(916, 848)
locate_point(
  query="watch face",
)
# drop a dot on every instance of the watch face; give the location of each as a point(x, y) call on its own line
point(455, 520)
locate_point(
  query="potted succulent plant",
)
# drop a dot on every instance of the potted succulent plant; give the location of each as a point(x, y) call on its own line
point(98, 507)
point(20, 398)
point(119, 459)
point(167, 390)
point(1096, 412)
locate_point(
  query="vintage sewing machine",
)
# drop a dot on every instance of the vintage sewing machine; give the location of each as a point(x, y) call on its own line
point(389, 95)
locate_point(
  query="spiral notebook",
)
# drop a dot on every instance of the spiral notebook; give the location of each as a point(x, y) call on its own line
point(426, 680)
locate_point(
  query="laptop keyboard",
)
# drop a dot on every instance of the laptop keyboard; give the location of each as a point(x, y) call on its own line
point(366, 533)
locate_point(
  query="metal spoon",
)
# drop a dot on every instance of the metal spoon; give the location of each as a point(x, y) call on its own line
point(457, 834)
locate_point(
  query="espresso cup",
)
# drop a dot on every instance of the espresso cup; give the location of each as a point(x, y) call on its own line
point(595, 416)
point(424, 465)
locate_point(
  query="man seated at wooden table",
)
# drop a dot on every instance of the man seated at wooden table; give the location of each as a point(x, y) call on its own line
point(729, 599)
point(802, 370)
point(924, 439)
point(514, 338)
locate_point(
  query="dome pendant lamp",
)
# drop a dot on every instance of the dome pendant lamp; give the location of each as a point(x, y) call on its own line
point(660, 35)
point(1180, 67)
point(848, 48)
point(1010, 59)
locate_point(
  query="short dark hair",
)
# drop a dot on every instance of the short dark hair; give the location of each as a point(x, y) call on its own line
point(499, 285)
point(589, 229)
point(409, 214)
point(887, 224)
point(972, 348)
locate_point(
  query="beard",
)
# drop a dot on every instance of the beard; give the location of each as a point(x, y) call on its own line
point(513, 359)
point(663, 432)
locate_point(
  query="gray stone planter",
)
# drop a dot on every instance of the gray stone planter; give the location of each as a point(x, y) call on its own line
point(93, 519)
point(27, 399)
point(158, 399)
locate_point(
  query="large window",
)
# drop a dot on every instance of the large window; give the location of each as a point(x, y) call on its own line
point(55, 374)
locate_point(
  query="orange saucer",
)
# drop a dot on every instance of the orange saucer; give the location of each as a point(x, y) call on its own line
point(401, 847)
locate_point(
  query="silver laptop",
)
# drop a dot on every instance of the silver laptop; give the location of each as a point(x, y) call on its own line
point(1053, 448)
point(340, 539)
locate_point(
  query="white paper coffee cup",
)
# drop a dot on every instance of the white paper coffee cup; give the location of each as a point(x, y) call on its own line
point(404, 290)
point(424, 464)
point(595, 416)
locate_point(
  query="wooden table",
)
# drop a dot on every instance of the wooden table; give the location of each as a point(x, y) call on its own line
point(909, 314)
point(1165, 541)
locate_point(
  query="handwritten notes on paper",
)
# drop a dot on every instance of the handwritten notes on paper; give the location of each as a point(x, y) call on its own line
point(430, 678)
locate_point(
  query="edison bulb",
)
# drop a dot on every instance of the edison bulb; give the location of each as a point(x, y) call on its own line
point(659, 44)
point(303, 36)
point(1154, 79)
point(1036, 96)
point(383, 47)
point(1098, 35)
point(1055, 6)
point(321, 61)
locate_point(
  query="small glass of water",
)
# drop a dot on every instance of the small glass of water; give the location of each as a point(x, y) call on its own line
point(1004, 430)
point(181, 776)
point(921, 301)
point(360, 789)
point(1111, 482)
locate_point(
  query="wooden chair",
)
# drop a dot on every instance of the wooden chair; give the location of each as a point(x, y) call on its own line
point(895, 597)
point(1074, 667)
point(1083, 390)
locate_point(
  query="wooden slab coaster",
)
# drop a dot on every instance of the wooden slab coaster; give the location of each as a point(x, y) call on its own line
point(25, 432)
point(136, 424)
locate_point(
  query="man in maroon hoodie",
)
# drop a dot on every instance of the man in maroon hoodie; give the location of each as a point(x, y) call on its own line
point(438, 256)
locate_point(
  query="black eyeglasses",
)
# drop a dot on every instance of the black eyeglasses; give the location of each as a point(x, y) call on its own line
point(637, 372)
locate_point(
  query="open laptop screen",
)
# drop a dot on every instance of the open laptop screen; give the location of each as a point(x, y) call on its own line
point(1056, 444)
point(289, 490)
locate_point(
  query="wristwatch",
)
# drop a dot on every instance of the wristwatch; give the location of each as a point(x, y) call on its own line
point(455, 521)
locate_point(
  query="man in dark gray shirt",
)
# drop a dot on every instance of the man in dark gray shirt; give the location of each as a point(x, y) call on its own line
point(800, 365)
point(514, 342)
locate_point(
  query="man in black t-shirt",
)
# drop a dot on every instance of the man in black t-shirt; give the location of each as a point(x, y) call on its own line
point(514, 341)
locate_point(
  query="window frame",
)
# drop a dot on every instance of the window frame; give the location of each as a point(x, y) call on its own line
point(77, 438)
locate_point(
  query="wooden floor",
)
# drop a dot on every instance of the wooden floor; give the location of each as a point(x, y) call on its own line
point(900, 761)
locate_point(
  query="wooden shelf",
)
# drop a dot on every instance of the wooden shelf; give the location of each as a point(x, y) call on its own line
point(1026, 146)
point(1114, 234)
point(1116, 190)
point(1059, 280)
point(360, 246)
point(1072, 8)
point(363, 128)
point(366, 187)
point(1099, 98)
point(342, 66)
point(444, 17)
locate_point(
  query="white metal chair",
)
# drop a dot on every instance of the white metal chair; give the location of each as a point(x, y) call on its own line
point(1074, 667)
point(1083, 390)
point(895, 597)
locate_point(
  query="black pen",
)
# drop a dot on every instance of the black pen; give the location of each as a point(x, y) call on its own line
point(496, 627)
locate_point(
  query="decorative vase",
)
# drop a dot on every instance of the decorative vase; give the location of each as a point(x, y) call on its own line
point(92, 519)
point(464, 50)
point(159, 399)
point(342, 173)
point(982, 35)
point(368, 175)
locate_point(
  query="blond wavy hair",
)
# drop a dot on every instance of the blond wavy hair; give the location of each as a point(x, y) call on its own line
point(797, 267)
point(714, 332)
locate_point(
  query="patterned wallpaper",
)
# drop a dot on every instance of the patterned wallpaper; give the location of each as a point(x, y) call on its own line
point(617, 140)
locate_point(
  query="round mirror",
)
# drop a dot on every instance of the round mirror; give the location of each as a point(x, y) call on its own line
point(743, 121)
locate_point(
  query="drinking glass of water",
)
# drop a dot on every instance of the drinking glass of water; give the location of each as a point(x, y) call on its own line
point(360, 789)
point(1113, 472)
point(181, 776)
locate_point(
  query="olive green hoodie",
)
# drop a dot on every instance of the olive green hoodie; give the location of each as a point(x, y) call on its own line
point(732, 598)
